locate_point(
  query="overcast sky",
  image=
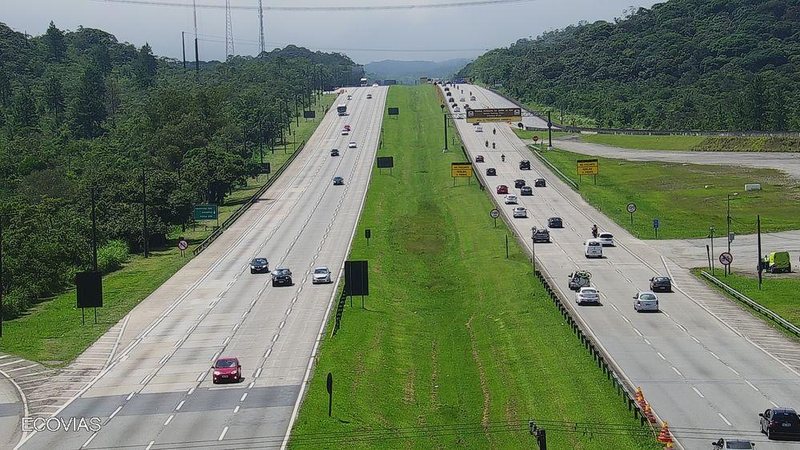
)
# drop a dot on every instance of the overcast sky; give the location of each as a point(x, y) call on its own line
point(418, 34)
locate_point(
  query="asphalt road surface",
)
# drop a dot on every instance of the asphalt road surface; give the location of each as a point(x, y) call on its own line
point(698, 369)
point(158, 392)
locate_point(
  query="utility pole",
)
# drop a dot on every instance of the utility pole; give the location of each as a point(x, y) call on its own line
point(1, 275)
point(144, 214)
point(261, 46)
point(728, 267)
point(94, 229)
point(549, 132)
point(196, 48)
point(183, 49)
point(229, 49)
point(444, 116)
point(533, 250)
point(760, 261)
point(711, 231)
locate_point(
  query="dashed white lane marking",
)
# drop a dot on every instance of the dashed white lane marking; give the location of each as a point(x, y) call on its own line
point(269, 350)
point(626, 319)
point(774, 405)
point(258, 373)
point(169, 419)
point(677, 371)
point(751, 385)
point(150, 445)
point(274, 338)
point(250, 386)
point(698, 392)
point(253, 303)
point(244, 396)
point(225, 430)
point(662, 312)
point(86, 444)
point(244, 314)
point(130, 396)
point(647, 342)
point(724, 419)
point(191, 391)
point(713, 354)
point(236, 410)
point(201, 376)
point(163, 359)
point(733, 370)
point(225, 342)
point(177, 344)
point(661, 356)
point(695, 339)
point(283, 322)
point(213, 358)
point(638, 332)
point(178, 408)
point(119, 408)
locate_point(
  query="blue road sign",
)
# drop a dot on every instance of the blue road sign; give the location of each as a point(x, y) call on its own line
point(655, 223)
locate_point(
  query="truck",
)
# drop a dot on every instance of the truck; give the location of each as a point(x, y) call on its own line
point(776, 262)
point(342, 109)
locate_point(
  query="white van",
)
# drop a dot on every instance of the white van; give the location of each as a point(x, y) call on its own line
point(593, 248)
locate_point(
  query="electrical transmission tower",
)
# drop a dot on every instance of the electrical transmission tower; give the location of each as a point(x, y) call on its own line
point(229, 51)
point(261, 47)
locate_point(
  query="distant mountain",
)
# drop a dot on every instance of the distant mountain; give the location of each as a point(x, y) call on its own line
point(410, 71)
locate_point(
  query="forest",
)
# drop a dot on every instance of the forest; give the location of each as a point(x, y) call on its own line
point(680, 65)
point(83, 115)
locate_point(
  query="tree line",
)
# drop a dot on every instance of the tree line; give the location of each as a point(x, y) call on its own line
point(81, 112)
point(682, 64)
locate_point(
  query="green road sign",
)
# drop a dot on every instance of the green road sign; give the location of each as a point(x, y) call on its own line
point(206, 212)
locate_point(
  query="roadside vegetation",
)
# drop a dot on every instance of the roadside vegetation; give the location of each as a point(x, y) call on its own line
point(687, 199)
point(458, 346)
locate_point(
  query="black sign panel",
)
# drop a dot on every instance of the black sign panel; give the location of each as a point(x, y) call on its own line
point(394, 111)
point(389, 82)
point(494, 115)
point(309, 114)
point(385, 162)
point(90, 289)
point(265, 168)
point(356, 278)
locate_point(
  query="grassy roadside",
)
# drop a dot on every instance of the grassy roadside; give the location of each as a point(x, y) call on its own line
point(645, 142)
point(778, 293)
point(686, 199)
point(51, 333)
point(458, 346)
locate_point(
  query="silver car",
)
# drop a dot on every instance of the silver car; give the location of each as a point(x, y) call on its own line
point(511, 199)
point(607, 239)
point(321, 275)
point(520, 212)
point(645, 301)
point(587, 295)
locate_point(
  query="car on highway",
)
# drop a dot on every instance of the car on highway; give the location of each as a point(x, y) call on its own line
point(451, 100)
point(349, 97)
point(259, 265)
point(479, 158)
point(369, 96)
point(738, 444)
point(462, 99)
point(456, 108)
point(645, 301)
point(555, 222)
point(334, 152)
point(321, 275)
point(479, 129)
point(352, 144)
point(526, 190)
point(539, 182)
point(347, 127)
point(593, 248)
point(447, 92)
point(338, 181)
point(491, 172)
point(226, 369)
point(502, 189)
point(541, 235)
point(518, 183)
point(520, 212)
point(587, 295)
point(345, 132)
point(779, 423)
point(472, 98)
point(524, 165)
point(466, 107)
point(660, 284)
point(511, 199)
point(606, 238)
point(282, 277)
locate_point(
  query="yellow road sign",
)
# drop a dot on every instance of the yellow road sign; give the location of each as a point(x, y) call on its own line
point(461, 170)
point(588, 167)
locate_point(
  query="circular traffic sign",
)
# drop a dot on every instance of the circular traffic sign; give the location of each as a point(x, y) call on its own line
point(183, 245)
point(726, 258)
point(535, 138)
point(631, 208)
point(494, 213)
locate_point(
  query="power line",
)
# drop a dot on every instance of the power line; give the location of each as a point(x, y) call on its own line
point(328, 8)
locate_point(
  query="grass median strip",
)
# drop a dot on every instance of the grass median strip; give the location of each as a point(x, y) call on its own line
point(686, 198)
point(51, 333)
point(457, 346)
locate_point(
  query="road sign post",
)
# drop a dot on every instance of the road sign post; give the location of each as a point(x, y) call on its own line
point(631, 209)
point(182, 245)
point(656, 224)
point(494, 214)
point(726, 259)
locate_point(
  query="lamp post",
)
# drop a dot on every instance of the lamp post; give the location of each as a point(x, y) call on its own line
point(533, 249)
point(728, 267)
point(444, 116)
point(1, 276)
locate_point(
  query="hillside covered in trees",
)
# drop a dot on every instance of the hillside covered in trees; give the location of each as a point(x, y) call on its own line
point(81, 111)
point(683, 64)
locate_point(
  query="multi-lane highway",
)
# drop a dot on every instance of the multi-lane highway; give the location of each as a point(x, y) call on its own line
point(708, 378)
point(158, 392)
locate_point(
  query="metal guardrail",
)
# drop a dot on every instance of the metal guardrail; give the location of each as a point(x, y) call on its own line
point(753, 304)
point(242, 209)
point(554, 169)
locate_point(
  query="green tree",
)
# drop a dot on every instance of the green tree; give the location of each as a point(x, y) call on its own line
point(23, 110)
point(55, 45)
point(87, 109)
point(145, 66)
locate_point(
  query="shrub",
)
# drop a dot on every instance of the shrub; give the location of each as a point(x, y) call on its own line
point(111, 256)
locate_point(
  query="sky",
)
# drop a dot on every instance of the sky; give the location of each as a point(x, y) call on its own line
point(434, 34)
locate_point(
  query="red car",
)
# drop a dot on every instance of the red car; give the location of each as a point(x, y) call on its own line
point(227, 369)
point(502, 189)
point(479, 158)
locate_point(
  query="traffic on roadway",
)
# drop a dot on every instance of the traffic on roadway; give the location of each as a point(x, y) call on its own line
point(708, 379)
point(222, 352)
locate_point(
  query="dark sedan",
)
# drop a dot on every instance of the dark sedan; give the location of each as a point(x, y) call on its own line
point(519, 183)
point(491, 172)
point(259, 265)
point(335, 152)
point(555, 222)
point(338, 181)
point(539, 182)
point(524, 165)
point(780, 423)
point(282, 277)
point(660, 284)
point(479, 158)
point(526, 190)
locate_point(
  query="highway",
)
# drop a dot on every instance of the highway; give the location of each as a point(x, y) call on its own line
point(158, 392)
point(707, 378)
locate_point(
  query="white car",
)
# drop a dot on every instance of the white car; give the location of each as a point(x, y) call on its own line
point(587, 295)
point(321, 275)
point(456, 109)
point(352, 144)
point(369, 96)
point(479, 129)
point(511, 199)
point(520, 212)
point(606, 238)
point(645, 301)
point(345, 132)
